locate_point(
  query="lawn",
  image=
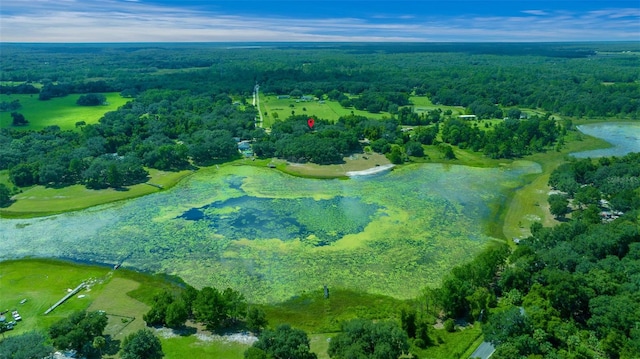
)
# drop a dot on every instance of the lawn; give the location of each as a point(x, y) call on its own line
point(61, 111)
point(42, 283)
point(40, 200)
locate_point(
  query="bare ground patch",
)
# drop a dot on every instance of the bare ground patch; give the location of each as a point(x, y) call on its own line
point(355, 162)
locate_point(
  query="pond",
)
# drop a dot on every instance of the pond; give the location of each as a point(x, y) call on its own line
point(273, 236)
point(624, 138)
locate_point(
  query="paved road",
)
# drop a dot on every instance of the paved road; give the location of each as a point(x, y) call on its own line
point(484, 351)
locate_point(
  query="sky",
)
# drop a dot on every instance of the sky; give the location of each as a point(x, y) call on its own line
point(318, 21)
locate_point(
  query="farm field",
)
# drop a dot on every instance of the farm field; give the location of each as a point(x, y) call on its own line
point(60, 111)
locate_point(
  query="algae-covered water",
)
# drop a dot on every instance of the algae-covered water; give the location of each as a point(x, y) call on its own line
point(273, 236)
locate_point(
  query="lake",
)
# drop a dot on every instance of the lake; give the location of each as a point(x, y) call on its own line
point(624, 138)
point(272, 236)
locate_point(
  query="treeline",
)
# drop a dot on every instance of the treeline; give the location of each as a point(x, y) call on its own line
point(572, 291)
point(163, 129)
point(209, 306)
point(326, 142)
point(532, 77)
point(509, 138)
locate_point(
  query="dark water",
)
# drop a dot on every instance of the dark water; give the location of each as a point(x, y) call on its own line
point(319, 222)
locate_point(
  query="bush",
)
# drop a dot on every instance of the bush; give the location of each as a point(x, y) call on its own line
point(450, 325)
point(91, 99)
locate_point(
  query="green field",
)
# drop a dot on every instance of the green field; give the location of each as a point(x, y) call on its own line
point(41, 201)
point(329, 110)
point(61, 111)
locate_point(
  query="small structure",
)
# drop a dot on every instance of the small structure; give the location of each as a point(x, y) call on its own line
point(283, 97)
point(468, 117)
point(326, 292)
point(307, 98)
point(244, 145)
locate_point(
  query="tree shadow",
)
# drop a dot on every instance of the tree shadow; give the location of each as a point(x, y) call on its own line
point(112, 347)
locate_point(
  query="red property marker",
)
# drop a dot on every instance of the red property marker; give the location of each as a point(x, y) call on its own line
point(310, 122)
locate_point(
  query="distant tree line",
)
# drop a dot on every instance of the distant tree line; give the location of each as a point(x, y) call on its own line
point(556, 78)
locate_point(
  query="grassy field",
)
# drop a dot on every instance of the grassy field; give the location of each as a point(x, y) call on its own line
point(40, 201)
point(330, 110)
point(62, 111)
point(424, 104)
point(42, 283)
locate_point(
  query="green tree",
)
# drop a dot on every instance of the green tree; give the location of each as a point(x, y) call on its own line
point(558, 205)
point(396, 155)
point(282, 343)
point(5, 196)
point(29, 345)
point(365, 339)
point(408, 319)
point(141, 345)
point(256, 319)
point(177, 314)
point(91, 99)
point(78, 331)
point(17, 119)
point(414, 148)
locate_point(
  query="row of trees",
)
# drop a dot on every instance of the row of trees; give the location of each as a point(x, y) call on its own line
point(209, 306)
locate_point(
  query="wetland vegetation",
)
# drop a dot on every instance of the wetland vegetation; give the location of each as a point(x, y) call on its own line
point(428, 237)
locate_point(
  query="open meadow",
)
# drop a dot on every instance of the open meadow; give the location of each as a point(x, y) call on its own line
point(276, 108)
point(59, 111)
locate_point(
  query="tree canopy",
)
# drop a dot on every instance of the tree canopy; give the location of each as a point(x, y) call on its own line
point(284, 342)
point(141, 345)
point(367, 339)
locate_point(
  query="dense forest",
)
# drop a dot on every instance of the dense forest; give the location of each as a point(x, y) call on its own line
point(572, 291)
point(568, 79)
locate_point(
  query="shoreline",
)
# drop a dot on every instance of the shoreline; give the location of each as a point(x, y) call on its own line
point(371, 171)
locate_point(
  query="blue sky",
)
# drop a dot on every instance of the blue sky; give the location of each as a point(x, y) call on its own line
point(317, 20)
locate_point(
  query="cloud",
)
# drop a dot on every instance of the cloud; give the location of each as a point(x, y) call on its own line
point(136, 21)
point(536, 12)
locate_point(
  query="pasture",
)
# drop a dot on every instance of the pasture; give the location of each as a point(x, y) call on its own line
point(60, 111)
point(329, 110)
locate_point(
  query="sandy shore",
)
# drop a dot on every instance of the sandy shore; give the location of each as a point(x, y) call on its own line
point(370, 171)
